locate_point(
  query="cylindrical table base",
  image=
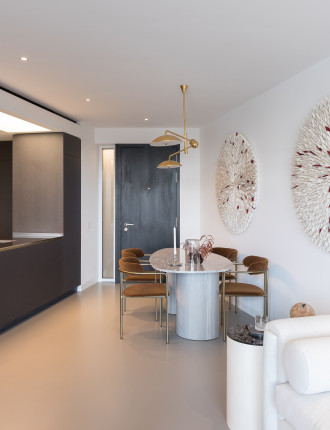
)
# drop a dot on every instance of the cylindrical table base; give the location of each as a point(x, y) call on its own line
point(197, 305)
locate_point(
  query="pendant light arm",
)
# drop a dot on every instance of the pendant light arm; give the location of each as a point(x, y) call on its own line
point(182, 137)
point(174, 134)
point(178, 152)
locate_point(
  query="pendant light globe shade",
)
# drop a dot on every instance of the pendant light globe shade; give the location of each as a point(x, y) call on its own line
point(165, 140)
point(169, 164)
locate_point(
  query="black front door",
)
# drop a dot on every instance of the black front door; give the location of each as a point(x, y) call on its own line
point(147, 199)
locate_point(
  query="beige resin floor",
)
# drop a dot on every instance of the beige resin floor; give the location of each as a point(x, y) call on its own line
point(67, 369)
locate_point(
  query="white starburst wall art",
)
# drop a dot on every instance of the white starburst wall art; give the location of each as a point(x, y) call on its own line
point(237, 183)
point(311, 175)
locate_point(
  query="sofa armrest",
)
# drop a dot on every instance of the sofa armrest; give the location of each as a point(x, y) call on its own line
point(277, 334)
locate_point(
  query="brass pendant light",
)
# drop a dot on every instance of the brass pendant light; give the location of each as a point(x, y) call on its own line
point(171, 138)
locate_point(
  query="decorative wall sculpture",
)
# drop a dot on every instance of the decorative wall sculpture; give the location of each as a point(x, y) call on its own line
point(237, 183)
point(311, 175)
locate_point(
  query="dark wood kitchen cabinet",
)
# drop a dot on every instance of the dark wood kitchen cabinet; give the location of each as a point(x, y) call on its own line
point(38, 271)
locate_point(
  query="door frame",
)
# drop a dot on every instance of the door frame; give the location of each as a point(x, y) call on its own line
point(100, 207)
point(118, 155)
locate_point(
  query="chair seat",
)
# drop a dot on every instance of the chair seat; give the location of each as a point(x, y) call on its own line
point(242, 289)
point(145, 290)
point(144, 277)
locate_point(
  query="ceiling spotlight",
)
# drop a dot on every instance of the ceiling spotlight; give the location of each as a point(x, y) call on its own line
point(146, 119)
point(87, 100)
point(24, 59)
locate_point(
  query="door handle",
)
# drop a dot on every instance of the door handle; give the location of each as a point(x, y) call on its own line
point(127, 224)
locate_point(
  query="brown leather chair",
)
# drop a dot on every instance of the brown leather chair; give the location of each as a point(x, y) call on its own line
point(231, 254)
point(140, 289)
point(148, 275)
point(255, 266)
point(138, 253)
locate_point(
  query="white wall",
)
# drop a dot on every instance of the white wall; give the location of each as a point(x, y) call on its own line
point(189, 172)
point(299, 271)
point(89, 175)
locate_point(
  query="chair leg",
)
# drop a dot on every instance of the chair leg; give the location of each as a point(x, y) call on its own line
point(235, 304)
point(221, 311)
point(266, 293)
point(166, 309)
point(124, 305)
point(223, 306)
point(160, 311)
point(224, 317)
point(121, 316)
point(156, 316)
point(230, 303)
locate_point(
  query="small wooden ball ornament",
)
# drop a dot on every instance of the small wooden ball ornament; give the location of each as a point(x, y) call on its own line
point(301, 310)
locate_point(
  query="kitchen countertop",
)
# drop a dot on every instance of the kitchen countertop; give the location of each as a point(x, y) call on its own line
point(18, 242)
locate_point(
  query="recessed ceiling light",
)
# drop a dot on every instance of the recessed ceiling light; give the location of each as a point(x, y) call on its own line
point(11, 124)
point(87, 100)
point(146, 119)
point(24, 59)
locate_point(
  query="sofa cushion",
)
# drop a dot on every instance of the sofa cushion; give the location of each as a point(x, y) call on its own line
point(306, 364)
point(303, 412)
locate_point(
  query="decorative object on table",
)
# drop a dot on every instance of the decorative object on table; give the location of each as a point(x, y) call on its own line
point(260, 322)
point(301, 310)
point(206, 246)
point(237, 183)
point(171, 138)
point(310, 175)
point(191, 247)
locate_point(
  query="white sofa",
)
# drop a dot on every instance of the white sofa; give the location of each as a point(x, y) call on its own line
point(297, 374)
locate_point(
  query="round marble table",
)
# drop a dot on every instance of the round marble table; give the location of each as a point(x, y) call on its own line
point(194, 292)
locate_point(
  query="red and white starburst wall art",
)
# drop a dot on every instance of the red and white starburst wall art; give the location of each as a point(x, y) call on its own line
point(237, 183)
point(311, 175)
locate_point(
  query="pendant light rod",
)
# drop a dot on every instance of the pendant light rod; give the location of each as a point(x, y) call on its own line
point(183, 89)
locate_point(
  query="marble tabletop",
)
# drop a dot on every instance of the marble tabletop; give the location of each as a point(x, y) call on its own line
point(164, 260)
point(241, 333)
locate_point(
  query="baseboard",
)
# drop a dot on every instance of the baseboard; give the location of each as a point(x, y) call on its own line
point(88, 284)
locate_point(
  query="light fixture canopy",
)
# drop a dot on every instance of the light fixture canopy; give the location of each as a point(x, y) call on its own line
point(171, 138)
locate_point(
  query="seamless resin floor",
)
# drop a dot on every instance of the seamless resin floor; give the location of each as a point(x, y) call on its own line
point(66, 369)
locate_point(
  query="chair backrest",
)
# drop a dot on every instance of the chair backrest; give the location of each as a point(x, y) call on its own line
point(130, 260)
point(136, 251)
point(255, 264)
point(229, 253)
point(129, 267)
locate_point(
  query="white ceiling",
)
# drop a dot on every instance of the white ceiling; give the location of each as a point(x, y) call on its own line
point(130, 56)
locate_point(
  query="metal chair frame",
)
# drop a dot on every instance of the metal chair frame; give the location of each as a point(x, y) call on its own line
point(156, 280)
point(122, 288)
point(223, 297)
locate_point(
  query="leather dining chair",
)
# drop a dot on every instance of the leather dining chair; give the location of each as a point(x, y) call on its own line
point(147, 276)
point(140, 289)
point(138, 253)
point(254, 266)
point(231, 254)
